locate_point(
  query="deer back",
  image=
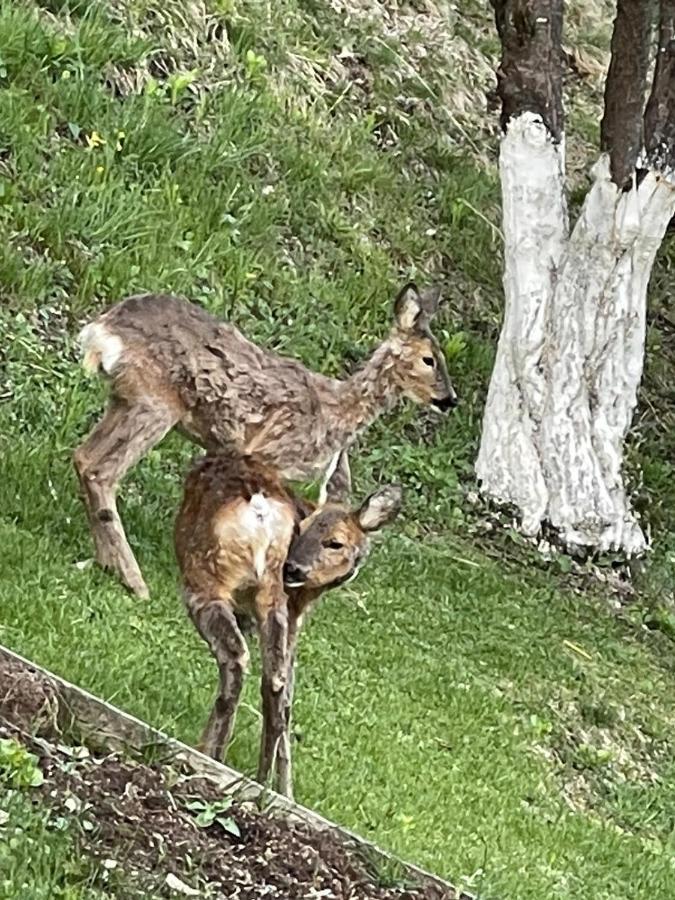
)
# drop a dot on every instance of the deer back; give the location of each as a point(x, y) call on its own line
point(235, 396)
point(232, 395)
point(233, 528)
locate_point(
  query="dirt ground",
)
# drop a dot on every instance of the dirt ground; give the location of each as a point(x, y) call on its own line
point(137, 817)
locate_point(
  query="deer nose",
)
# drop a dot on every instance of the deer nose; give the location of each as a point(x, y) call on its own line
point(294, 575)
point(447, 403)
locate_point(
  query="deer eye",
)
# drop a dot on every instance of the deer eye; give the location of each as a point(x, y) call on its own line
point(333, 545)
point(428, 361)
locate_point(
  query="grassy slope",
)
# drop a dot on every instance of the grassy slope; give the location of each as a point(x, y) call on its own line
point(471, 713)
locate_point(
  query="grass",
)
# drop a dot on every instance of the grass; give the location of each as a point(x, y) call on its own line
point(38, 853)
point(39, 857)
point(464, 704)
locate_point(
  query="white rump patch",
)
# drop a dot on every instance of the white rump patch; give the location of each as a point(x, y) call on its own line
point(260, 506)
point(262, 521)
point(100, 348)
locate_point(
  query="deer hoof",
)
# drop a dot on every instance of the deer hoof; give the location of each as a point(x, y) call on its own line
point(140, 590)
point(137, 586)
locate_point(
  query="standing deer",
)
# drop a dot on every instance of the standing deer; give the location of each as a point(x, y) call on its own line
point(170, 364)
point(239, 535)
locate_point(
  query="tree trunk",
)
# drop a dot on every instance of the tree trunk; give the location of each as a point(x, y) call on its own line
point(596, 351)
point(531, 166)
point(570, 356)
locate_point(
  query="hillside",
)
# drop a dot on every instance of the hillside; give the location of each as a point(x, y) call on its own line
point(498, 718)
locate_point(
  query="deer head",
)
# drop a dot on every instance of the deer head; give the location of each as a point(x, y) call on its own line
point(420, 370)
point(333, 541)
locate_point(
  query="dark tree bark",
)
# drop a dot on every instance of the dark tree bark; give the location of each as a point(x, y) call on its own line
point(660, 113)
point(529, 78)
point(621, 129)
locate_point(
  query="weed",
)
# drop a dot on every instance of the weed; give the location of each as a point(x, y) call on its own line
point(18, 767)
point(214, 812)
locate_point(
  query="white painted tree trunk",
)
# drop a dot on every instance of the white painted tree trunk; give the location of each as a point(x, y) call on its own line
point(534, 215)
point(570, 356)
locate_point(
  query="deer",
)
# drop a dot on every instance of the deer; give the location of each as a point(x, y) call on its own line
point(253, 555)
point(171, 364)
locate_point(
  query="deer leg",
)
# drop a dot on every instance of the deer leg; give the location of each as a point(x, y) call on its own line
point(216, 623)
point(284, 770)
point(119, 441)
point(273, 628)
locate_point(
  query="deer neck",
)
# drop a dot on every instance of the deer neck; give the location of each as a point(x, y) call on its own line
point(369, 392)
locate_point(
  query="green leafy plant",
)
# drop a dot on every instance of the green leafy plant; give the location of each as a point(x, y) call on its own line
point(540, 727)
point(174, 88)
point(18, 767)
point(455, 346)
point(179, 82)
point(254, 64)
point(214, 812)
point(588, 756)
point(661, 619)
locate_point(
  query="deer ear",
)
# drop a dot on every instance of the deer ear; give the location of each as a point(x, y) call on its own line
point(337, 486)
point(430, 300)
point(380, 508)
point(407, 307)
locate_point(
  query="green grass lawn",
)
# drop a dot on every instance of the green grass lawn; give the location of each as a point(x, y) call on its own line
point(463, 704)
